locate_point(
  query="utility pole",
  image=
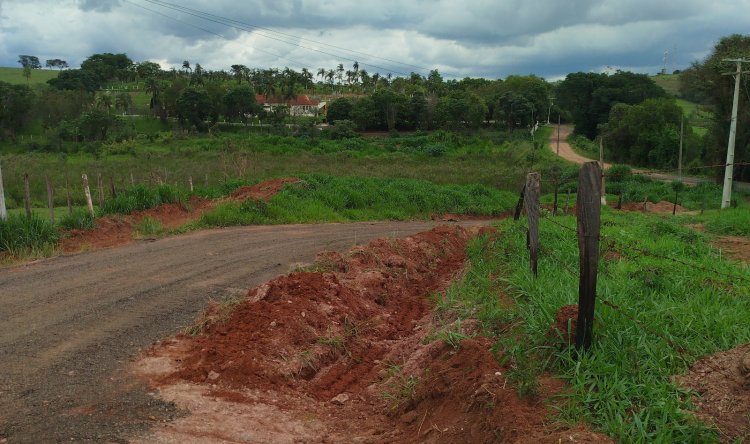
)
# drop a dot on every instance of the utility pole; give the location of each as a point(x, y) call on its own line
point(679, 158)
point(3, 210)
point(601, 168)
point(726, 196)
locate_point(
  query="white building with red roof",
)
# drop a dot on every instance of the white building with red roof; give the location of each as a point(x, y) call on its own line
point(301, 105)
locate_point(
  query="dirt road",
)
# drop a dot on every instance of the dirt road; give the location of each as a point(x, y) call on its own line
point(69, 325)
point(567, 153)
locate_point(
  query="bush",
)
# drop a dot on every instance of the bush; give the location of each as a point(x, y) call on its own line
point(81, 219)
point(20, 234)
point(619, 173)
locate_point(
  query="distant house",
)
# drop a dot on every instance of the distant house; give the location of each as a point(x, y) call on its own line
point(301, 105)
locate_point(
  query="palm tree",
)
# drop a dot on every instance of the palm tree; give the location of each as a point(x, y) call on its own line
point(104, 101)
point(375, 79)
point(306, 78)
point(123, 101)
point(322, 74)
point(329, 75)
point(340, 73)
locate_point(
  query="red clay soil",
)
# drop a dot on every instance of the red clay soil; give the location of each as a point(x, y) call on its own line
point(262, 191)
point(564, 327)
point(112, 231)
point(722, 384)
point(738, 247)
point(347, 352)
point(662, 207)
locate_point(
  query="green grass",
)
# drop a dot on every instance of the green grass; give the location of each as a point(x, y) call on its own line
point(623, 384)
point(669, 82)
point(80, 219)
point(15, 76)
point(726, 222)
point(141, 197)
point(322, 198)
point(148, 227)
point(21, 235)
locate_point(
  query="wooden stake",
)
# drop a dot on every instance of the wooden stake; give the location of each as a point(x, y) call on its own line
point(531, 198)
point(519, 205)
point(26, 195)
point(132, 179)
point(100, 189)
point(50, 200)
point(3, 209)
point(87, 193)
point(190, 181)
point(588, 212)
point(67, 194)
point(112, 190)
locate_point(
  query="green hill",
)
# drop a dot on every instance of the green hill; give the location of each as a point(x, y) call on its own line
point(670, 83)
point(15, 75)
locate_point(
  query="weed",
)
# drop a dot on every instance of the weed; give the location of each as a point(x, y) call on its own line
point(216, 312)
point(148, 227)
point(22, 235)
point(80, 219)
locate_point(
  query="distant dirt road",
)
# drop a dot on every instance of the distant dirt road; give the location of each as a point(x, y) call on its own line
point(69, 325)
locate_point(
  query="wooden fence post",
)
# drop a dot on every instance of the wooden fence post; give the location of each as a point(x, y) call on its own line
point(112, 189)
point(26, 195)
point(67, 194)
point(519, 205)
point(554, 205)
point(588, 212)
point(132, 179)
point(100, 189)
point(50, 200)
point(190, 181)
point(87, 192)
point(3, 209)
point(531, 198)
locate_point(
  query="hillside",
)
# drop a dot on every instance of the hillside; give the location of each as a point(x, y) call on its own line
point(15, 76)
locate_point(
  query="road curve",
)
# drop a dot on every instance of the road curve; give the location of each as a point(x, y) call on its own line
point(69, 325)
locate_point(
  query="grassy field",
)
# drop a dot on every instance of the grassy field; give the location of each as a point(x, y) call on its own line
point(15, 76)
point(660, 316)
point(670, 83)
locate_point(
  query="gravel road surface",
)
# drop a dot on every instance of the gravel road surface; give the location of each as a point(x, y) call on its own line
point(70, 325)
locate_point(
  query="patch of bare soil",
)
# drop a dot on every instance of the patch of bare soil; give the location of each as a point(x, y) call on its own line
point(722, 382)
point(113, 231)
point(564, 327)
point(662, 207)
point(346, 352)
point(738, 247)
point(262, 191)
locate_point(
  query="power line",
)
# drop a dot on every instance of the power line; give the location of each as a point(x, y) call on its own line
point(247, 29)
point(185, 8)
point(210, 32)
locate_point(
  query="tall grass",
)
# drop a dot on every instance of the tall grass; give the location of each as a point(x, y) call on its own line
point(321, 198)
point(668, 315)
point(142, 197)
point(22, 235)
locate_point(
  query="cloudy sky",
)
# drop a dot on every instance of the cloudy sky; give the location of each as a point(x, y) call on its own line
point(477, 38)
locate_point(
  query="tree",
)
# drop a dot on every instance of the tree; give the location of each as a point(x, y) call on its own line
point(339, 109)
point(588, 97)
point(123, 102)
point(56, 63)
point(27, 73)
point(239, 72)
point(193, 106)
point(147, 70)
point(77, 80)
point(644, 134)
point(107, 67)
point(16, 102)
point(705, 80)
point(240, 102)
point(186, 66)
point(31, 61)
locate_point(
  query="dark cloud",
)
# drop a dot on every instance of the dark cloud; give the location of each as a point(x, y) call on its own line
point(491, 38)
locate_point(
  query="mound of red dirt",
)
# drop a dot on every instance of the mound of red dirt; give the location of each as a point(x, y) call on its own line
point(565, 323)
point(112, 231)
point(722, 382)
point(262, 191)
point(346, 351)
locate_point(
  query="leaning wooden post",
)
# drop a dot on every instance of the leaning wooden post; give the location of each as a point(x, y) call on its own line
point(3, 209)
point(100, 189)
point(50, 200)
point(519, 205)
point(87, 193)
point(112, 189)
point(26, 195)
point(531, 198)
point(588, 212)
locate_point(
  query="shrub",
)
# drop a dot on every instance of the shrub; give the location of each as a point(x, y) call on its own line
point(21, 234)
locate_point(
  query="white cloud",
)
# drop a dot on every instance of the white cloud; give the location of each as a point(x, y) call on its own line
point(488, 38)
